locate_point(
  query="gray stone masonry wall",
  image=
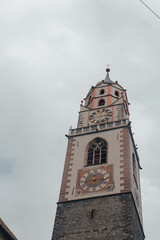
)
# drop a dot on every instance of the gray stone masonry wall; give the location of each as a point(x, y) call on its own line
point(103, 218)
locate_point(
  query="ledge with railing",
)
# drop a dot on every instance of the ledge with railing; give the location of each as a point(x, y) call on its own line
point(99, 127)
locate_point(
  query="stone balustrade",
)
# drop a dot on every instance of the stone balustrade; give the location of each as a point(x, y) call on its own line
point(99, 127)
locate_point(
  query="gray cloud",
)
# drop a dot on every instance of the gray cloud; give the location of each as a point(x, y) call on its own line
point(51, 53)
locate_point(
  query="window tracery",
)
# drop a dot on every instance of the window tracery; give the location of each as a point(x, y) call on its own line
point(97, 152)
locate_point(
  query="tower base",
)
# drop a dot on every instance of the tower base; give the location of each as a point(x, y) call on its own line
point(111, 217)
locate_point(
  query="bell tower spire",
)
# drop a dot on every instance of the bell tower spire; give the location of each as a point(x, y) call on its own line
point(107, 79)
point(100, 196)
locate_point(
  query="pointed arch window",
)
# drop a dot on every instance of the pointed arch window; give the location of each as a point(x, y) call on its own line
point(101, 102)
point(117, 93)
point(97, 152)
point(101, 91)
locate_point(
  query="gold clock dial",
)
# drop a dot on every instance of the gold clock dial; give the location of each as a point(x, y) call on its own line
point(100, 116)
point(94, 180)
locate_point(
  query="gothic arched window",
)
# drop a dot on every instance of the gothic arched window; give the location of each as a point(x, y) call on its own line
point(102, 91)
point(101, 102)
point(97, 152)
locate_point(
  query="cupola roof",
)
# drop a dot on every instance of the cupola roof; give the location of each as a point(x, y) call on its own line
point(107, 78)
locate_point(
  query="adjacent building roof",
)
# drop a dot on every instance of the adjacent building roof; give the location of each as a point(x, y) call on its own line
point(6, 229)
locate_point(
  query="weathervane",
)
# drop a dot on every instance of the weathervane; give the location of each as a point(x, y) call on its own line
point(108, 67)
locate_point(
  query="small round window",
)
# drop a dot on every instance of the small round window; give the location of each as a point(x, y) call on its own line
point(101, 102)
point(102, 91)
point(117, 93)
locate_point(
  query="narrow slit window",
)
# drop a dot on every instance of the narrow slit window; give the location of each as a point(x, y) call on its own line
point(134, 166)
point(92, 213)
point(134, 169)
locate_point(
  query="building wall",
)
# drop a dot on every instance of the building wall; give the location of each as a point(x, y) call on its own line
point(104, 218)
point(135, 180)
point(76, 159)
point(118, 113)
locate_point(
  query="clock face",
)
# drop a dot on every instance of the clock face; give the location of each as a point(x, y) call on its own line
point(100, 116)
point(94, 180)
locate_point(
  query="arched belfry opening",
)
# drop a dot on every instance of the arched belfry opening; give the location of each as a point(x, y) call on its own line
point(101, 102)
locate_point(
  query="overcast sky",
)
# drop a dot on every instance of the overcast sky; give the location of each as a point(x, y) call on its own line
point(51, 52)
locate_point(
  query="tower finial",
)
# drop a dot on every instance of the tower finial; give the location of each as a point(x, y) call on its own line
point(107, 79)
point(108, 68)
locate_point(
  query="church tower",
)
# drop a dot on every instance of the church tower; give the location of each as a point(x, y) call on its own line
point(100, 196)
